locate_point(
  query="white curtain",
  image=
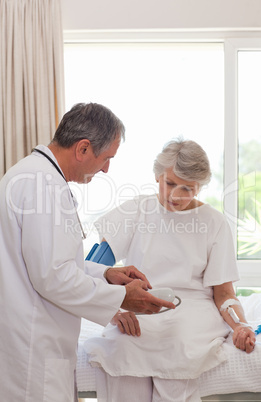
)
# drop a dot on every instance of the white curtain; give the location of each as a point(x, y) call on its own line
point(32, 76)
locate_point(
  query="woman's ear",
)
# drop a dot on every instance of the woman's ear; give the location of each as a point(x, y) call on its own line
point(156, 178)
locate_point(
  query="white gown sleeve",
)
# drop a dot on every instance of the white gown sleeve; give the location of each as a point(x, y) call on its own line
point(95, 270)
point(221, 267)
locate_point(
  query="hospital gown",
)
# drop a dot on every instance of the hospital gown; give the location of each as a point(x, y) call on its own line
point(189, 251)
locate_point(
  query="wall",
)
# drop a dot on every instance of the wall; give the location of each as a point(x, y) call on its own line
point(160, 14)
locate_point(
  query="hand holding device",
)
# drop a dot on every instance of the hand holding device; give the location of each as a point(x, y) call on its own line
point(166, 294)
point(135, 299)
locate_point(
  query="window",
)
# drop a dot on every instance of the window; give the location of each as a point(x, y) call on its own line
point(249, 136)
point(160, 91)
point(242, 141)
point(166, 88)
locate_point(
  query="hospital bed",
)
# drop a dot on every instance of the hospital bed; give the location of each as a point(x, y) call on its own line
point(237, 379)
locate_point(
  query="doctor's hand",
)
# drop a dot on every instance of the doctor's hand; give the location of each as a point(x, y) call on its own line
point(125, 275)
point(127, 323)
point(244, 338)
point(137, 299)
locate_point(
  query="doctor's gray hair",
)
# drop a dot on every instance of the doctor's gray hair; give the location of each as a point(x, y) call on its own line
point(188, 160)
point(90, 121)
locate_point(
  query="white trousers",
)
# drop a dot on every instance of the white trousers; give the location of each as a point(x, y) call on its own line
point(144, 389)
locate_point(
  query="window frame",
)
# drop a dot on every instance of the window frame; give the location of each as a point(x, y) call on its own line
point(233, 42)
point(250, 270)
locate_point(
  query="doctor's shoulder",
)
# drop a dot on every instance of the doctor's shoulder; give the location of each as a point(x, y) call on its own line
point(29, 176)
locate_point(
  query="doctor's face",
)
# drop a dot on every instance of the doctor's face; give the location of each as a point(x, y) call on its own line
point(94, 164)
point(176, 194)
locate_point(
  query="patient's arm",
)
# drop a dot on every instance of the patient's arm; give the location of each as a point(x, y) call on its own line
point(244, 336)
point(127, 323)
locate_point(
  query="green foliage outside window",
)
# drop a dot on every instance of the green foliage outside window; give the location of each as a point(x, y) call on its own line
point(247, 291)
point(249, 201)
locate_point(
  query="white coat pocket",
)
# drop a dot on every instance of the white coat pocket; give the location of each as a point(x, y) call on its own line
point(58, 381)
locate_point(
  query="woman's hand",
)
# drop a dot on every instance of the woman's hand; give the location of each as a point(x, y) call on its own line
point(244, 338)
point(127, 323)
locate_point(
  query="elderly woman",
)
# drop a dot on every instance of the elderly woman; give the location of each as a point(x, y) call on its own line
point(181, 243)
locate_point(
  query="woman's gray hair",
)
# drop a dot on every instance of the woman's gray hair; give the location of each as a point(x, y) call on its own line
point(89, 121)
point(188, 159)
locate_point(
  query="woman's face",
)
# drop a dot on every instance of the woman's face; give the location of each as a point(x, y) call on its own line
point(176, 194)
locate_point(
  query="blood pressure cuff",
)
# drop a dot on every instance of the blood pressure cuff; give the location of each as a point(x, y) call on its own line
point(102, 254)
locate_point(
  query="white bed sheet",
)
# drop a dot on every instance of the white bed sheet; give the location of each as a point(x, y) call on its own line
point(240, 373)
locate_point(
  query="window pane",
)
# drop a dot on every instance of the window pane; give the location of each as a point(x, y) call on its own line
point(159, 91)
point(249, 132)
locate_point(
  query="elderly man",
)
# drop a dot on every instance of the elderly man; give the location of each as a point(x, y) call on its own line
point(46, 287)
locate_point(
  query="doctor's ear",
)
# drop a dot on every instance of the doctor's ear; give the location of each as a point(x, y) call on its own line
point(82, 148)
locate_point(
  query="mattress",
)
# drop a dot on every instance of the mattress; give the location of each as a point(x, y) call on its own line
point(240, 373)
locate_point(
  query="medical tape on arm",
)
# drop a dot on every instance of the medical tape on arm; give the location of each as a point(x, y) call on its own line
point(226, 306)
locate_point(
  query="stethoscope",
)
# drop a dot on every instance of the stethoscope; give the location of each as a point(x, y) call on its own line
point(61, 173)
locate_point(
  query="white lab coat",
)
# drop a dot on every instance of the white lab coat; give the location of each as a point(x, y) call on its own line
point(44, 289)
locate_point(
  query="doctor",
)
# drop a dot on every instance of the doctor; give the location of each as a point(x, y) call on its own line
point(45, 285)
